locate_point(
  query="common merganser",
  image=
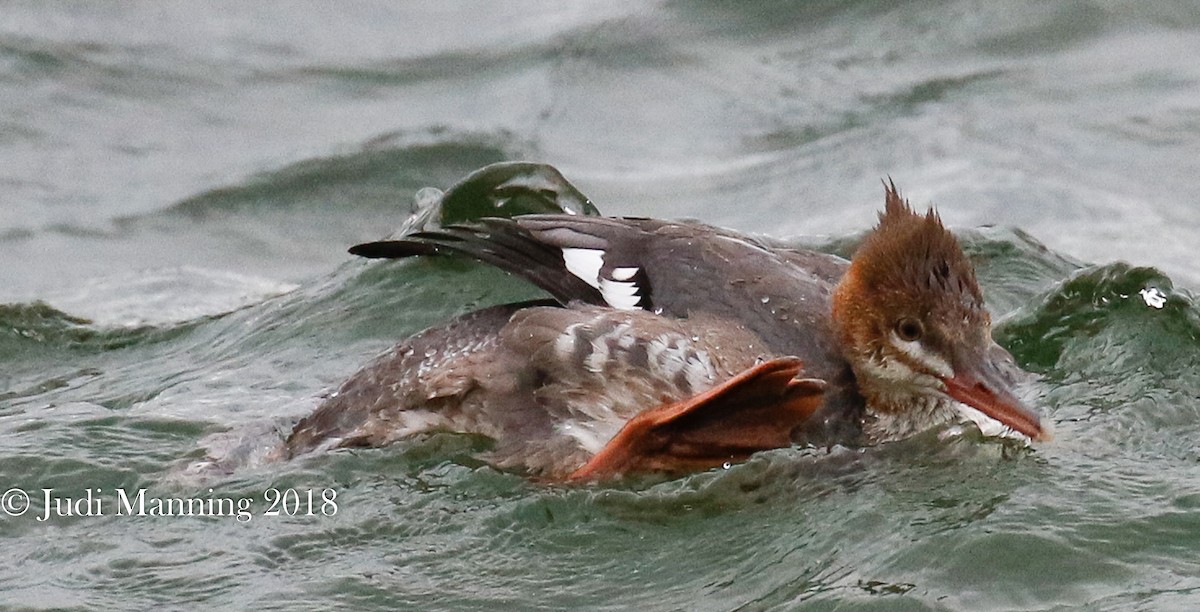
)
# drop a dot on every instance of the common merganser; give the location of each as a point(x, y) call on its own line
point(676, 346)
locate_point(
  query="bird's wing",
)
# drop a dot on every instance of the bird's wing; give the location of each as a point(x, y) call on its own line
point(669, 267)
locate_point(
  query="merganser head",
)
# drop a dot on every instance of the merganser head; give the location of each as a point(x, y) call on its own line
point(910, 315)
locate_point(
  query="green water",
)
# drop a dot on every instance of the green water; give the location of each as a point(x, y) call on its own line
point(179, 183)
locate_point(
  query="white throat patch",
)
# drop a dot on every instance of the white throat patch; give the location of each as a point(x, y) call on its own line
point(987, 425)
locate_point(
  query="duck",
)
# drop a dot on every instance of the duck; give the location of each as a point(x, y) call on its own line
point(675, 346)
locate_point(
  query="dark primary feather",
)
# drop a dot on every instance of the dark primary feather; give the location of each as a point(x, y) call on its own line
point(498, 242)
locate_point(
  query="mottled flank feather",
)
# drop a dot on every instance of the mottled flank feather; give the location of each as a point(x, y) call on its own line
point(551, 385)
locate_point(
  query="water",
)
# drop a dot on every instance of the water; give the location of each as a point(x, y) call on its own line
point(180, 183)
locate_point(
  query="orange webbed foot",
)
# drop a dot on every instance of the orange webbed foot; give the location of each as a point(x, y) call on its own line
point(756, 410)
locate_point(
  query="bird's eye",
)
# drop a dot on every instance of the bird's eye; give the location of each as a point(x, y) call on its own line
point(909, 329)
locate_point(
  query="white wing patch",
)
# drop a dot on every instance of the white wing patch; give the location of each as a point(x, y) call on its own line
point(620, 295)
point(584, 263)
point(619, 291)
point(624, 274)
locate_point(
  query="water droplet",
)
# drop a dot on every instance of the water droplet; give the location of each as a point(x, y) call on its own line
point(726, 465)
point(766, 299)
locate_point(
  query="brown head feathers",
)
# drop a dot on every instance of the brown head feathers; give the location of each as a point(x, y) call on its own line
point(910, 252)
point(910, 267)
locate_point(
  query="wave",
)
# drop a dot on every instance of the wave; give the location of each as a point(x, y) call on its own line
point(1139, 306)
point(383, 171)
